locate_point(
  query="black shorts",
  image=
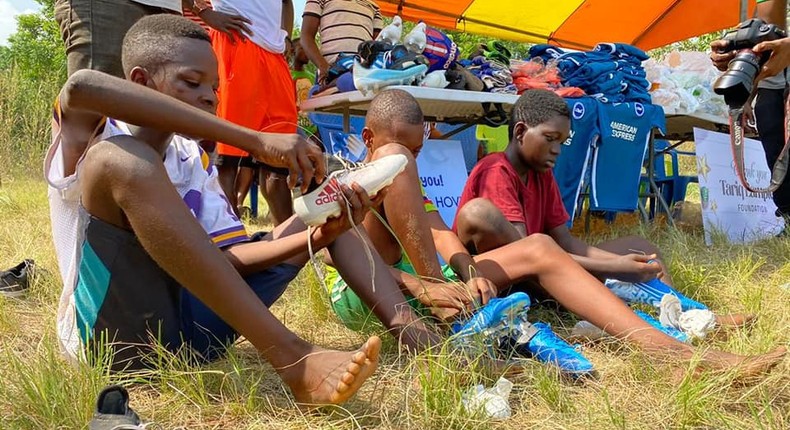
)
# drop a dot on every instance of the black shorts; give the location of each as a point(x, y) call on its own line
point(234, 160)
point(770, 114)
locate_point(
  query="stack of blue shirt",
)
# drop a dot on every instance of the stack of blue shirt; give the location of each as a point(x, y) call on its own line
point(611, 72)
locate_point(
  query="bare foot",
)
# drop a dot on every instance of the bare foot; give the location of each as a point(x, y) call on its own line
point(745, 367)
point(331, 377)
point(734, 320)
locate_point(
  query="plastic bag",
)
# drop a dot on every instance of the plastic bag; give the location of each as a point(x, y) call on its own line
point(493, 401)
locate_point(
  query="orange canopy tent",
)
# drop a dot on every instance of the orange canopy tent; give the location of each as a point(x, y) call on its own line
point(578, 24)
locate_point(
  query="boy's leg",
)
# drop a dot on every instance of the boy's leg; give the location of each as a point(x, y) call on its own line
point(481, 227)
point(384, 297)
point(274, 189)
point(278, 94)
point(247, 172)
point(227, 170)
point(139, 188)
point(405, 211)
point(540, 257)
point(207, 334)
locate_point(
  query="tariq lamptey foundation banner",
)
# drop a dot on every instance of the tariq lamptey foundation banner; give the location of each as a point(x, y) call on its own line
point(727, 206)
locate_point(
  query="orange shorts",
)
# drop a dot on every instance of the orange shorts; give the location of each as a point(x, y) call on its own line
point(255, 89)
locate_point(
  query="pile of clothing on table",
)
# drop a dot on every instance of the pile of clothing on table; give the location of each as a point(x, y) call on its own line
point(683, 84)
point(611, 72)
point(535, 74)
point(425, 57)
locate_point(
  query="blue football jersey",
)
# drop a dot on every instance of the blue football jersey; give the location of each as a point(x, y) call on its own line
point(617, 159)
point(574, 159)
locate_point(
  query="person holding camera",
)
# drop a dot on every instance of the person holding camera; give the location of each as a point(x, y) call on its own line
point(769, 108)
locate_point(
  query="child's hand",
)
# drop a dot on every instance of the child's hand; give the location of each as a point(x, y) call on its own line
point(447, 299)
point(481, 289)
point(354, 205)
point(635, 268)
point(291, 151)
point(232, 25)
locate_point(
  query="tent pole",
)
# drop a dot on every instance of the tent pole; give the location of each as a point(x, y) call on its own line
point(744, 10)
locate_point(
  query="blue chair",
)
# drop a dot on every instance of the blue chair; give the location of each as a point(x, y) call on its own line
point(468, 139)
point(328, 123)
point(671, 183)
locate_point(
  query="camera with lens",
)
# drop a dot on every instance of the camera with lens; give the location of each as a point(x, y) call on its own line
point(737, 82)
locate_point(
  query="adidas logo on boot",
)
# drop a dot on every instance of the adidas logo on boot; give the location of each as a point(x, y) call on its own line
point(314, 207)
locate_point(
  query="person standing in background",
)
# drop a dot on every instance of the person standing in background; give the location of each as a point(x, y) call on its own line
point(342, 25)
point(255, 89)
point(769, 106)
point(93, 31)
point(303, 80)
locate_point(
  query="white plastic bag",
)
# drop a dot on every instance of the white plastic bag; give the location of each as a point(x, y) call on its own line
point(493, 401)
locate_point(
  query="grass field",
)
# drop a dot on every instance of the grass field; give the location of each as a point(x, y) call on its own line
point(39, 390)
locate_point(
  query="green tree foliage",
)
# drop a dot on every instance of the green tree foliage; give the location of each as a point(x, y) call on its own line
point(36, 49)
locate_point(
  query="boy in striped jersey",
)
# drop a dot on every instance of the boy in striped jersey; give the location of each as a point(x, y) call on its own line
point(342, 25)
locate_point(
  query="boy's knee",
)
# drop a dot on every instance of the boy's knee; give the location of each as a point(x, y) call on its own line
point(543, 242)
point(480, 214)
point(544, 250)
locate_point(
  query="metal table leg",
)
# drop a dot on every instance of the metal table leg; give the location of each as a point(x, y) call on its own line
point(654, 190)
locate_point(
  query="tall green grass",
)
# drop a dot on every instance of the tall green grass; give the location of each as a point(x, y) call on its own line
point(25, 119)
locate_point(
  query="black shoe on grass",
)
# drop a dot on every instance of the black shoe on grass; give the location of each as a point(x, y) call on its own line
point(113, 411)
point(15, 282)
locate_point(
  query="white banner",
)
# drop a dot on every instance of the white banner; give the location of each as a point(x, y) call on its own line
point(727, 206)
point(443, 174)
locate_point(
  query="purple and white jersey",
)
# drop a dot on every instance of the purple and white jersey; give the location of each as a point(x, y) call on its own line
point(190, 172)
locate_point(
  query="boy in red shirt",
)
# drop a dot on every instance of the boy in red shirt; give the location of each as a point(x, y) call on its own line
point(513, 194)
point(394, 125)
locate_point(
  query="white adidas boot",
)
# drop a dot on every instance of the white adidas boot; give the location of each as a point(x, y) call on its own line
point(324, 202)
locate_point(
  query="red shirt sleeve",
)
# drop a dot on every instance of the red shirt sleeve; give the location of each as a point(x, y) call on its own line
point(556, 215)
point(499, 186)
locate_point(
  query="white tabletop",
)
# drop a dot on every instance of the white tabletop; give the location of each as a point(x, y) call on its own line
point(437, 104)
point(680, 126)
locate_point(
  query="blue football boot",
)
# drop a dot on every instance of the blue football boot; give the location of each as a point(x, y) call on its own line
point(495, 319)
point(541, 343)
point(502, 325)
point(669, 331)
point(649, 293)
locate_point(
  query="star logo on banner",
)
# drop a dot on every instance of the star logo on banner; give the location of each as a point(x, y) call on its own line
point(703, 168)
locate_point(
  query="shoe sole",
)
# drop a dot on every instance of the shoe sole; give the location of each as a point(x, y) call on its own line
point(316, 218)
point(13, 294)
point(503, 315)
point(368, 84)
